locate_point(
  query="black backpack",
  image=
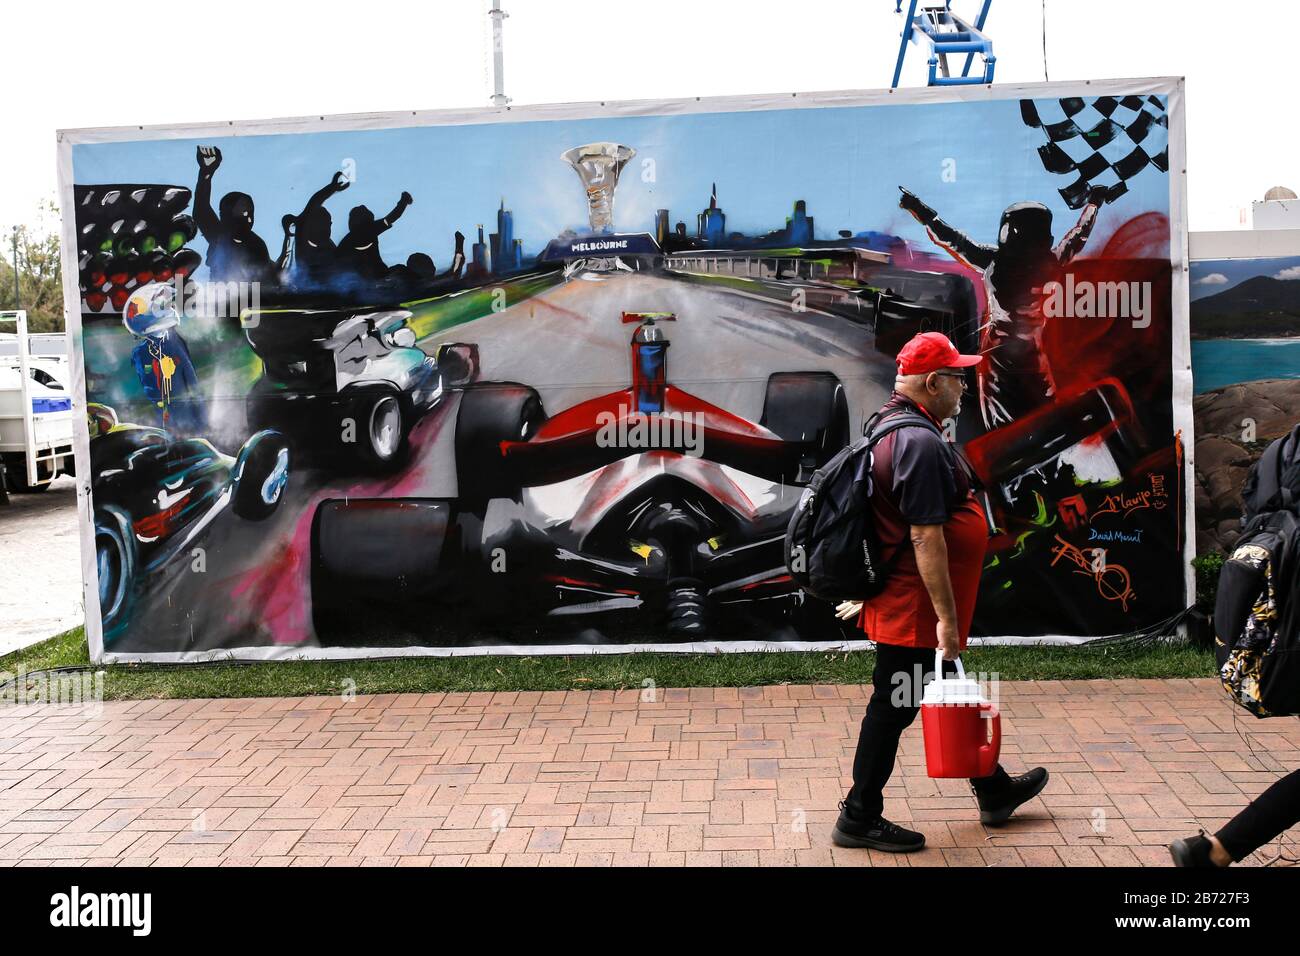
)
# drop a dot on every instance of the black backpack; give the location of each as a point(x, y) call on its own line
point(1257, 608)
point(1273, 483)
point(832, 548)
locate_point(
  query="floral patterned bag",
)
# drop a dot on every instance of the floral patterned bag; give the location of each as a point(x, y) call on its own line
point(1256, 617)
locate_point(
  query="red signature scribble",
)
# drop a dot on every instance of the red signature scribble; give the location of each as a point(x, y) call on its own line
point(1125, 504)
point(1113, 581)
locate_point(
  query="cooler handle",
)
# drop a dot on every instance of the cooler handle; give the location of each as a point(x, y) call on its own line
point(938, 665)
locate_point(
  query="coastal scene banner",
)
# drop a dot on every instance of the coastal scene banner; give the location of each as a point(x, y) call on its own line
point(1245, 328)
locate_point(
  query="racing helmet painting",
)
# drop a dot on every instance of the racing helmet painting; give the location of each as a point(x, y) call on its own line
point(649, 359)
point(151, 310)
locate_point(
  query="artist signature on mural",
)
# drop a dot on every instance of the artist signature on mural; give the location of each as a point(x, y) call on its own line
point(1130, 537)
point(1113, 581)
point(1124, 504)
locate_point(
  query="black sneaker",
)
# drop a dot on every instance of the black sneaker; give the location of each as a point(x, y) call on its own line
point(996, 808)
point(1192, 851)
point(877, 834)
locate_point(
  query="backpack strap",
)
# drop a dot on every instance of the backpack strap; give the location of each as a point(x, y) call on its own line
point(880, 425)
point(875, 431)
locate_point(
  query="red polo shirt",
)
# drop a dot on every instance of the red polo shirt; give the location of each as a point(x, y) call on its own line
point(917, 481)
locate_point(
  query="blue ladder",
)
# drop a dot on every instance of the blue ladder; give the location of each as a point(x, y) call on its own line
point(945, 32)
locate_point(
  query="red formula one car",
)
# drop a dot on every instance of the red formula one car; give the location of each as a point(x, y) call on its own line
point(647, 513)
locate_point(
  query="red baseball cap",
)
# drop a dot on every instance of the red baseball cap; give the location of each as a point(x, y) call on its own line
point(931, 351)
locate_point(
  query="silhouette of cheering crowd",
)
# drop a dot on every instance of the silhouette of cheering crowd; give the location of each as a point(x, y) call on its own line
point(309, 259)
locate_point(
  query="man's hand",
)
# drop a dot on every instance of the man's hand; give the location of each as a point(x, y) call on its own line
point(848, 610)
point(406, 199)
point(1097, 195)
point(949, 642)
point(341, 181)
point(209, 158)
point(288, 222)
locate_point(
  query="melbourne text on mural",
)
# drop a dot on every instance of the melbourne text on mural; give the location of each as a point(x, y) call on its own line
point(1085, 299)
point(679, 431)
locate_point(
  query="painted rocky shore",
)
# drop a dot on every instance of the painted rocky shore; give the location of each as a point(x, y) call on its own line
point(1224, 451)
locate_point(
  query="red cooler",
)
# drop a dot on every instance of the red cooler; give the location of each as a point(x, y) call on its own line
point(953, 717)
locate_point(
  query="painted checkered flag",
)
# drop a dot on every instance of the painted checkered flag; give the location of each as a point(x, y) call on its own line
point(1105, 142)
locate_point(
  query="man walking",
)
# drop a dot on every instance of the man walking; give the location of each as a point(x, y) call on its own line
point(933, 530)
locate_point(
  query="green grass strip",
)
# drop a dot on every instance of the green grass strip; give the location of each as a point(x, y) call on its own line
point(588, 672)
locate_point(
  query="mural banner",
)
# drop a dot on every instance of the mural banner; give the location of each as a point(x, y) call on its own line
point(552, 379)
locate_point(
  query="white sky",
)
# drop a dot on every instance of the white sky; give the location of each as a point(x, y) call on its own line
point(65, 65)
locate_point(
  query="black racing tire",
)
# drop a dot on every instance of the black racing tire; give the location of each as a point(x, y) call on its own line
point(383, 422)
point(375, 565)
point(809, 408)
point(261, 473)
point(490, 414)
point(115, 562)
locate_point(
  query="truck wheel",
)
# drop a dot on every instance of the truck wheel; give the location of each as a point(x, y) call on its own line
point(809, 408)
point(382, 426)
point(490, 414)
point(114, 568)
point(260, 474)
point(16, 475)
point(375, 562)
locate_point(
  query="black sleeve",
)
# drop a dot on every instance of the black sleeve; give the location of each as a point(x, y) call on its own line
point(207, 221)
point(924, 486)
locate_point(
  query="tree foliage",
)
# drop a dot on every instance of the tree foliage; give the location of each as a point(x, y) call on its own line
point(40, 286)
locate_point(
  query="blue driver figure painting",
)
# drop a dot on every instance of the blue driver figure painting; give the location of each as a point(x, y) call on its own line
point(561, 382)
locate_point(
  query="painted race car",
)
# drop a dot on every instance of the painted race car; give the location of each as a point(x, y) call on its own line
point(345, 384)
point(154, 495)
point(648, 509)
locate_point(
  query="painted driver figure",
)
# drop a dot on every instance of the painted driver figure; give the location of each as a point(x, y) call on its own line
point(161, 357)
point(1016, 378)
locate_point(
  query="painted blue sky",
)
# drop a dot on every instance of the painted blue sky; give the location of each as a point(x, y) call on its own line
point(1211, 276)
point(846, 162)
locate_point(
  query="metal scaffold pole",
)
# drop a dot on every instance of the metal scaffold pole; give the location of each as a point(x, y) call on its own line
point(499, 97)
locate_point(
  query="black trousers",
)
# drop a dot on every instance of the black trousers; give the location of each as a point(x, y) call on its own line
point(895, 702)
point(1274, 810)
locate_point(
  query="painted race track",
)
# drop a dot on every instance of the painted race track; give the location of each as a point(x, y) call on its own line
point(568, 343)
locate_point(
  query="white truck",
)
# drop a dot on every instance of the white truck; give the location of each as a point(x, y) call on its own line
point(36, 415)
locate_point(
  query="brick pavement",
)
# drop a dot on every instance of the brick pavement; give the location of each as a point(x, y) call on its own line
point(704, 776)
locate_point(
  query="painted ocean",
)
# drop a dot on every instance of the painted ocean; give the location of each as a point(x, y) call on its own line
point(1220, 362)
